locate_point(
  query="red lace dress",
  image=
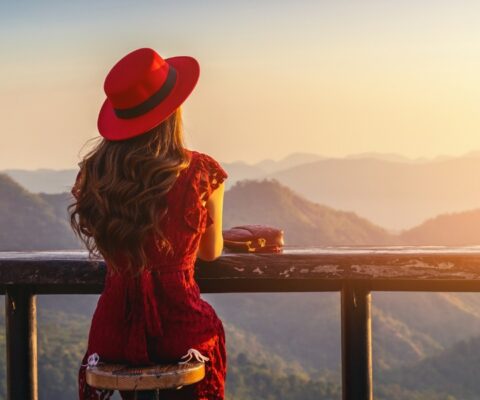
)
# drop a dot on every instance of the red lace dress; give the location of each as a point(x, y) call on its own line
point(159, 316)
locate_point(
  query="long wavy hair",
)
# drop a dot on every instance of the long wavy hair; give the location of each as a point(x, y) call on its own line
point(122, 192)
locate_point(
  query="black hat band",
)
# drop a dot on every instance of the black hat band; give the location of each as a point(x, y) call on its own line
point(152, 101)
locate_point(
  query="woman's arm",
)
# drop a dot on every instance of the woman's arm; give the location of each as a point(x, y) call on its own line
point(211, 242)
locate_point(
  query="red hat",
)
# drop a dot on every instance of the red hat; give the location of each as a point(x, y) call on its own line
point(143, 90)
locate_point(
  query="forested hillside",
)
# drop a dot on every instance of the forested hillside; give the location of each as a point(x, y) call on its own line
point(304, 223)
point(454, 229)
point(32, 222)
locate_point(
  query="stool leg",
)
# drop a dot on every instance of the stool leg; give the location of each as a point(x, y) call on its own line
point(146, 395)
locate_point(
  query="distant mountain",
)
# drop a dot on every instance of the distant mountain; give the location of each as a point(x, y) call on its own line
point(395, 195)
point(304, 222)
point(29, 222)
point(53, 181)
point(240, 170)
point(454, 229)
point(268, 202)
point(393, 157)
point(58, 202)
point(43, 180)
point(289, 161)
point(390, 190)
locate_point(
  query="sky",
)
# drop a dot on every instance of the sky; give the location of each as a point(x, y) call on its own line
point(327, 77)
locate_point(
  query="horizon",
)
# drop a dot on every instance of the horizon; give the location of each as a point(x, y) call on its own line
point(336, 78)
point(363, 155)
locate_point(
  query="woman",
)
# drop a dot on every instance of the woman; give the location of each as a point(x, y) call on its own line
point(150, 207)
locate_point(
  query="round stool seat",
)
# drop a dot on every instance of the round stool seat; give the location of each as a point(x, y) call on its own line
point(160, 376)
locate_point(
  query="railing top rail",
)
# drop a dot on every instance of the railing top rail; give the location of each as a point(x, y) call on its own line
point(296, 269)
point(289, 250)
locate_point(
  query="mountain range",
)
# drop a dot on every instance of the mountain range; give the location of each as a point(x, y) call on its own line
point(30, 221)
point(268, 338)
point(39, 221)
point(305, 224)
point(395, 195)
point(390, 190)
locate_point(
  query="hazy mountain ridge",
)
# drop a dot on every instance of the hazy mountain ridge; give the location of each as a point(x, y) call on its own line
point(44, 180)
point(31, 222)
point(53, 181)
point(310, 224)
point(269, 202)
point(304, 222)
point(390, 190)
point(452, 229)
point(395, 195)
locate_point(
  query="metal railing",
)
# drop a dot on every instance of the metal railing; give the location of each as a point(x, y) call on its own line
point(354, 272)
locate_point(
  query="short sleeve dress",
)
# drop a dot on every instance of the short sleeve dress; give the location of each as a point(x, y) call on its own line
point(158, 316)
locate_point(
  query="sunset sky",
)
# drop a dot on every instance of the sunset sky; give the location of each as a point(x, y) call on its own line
point(333, 78)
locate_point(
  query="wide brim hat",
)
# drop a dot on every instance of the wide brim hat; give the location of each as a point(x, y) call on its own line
point(143, 90)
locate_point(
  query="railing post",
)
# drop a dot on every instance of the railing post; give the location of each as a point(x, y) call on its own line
point(356, 343)
point(21, 327)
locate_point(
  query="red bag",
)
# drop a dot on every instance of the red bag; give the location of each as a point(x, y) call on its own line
point(253, 239)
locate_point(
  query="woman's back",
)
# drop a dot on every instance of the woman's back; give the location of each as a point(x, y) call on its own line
point(159, 315)
point(187, 218)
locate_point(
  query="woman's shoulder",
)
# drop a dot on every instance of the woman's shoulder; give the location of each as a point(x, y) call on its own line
point(206, 161)
point(207, 172)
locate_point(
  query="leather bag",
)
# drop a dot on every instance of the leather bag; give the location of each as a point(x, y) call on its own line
point(253, 238)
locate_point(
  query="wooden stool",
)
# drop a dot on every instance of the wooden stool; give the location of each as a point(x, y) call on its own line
point(147, 380)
